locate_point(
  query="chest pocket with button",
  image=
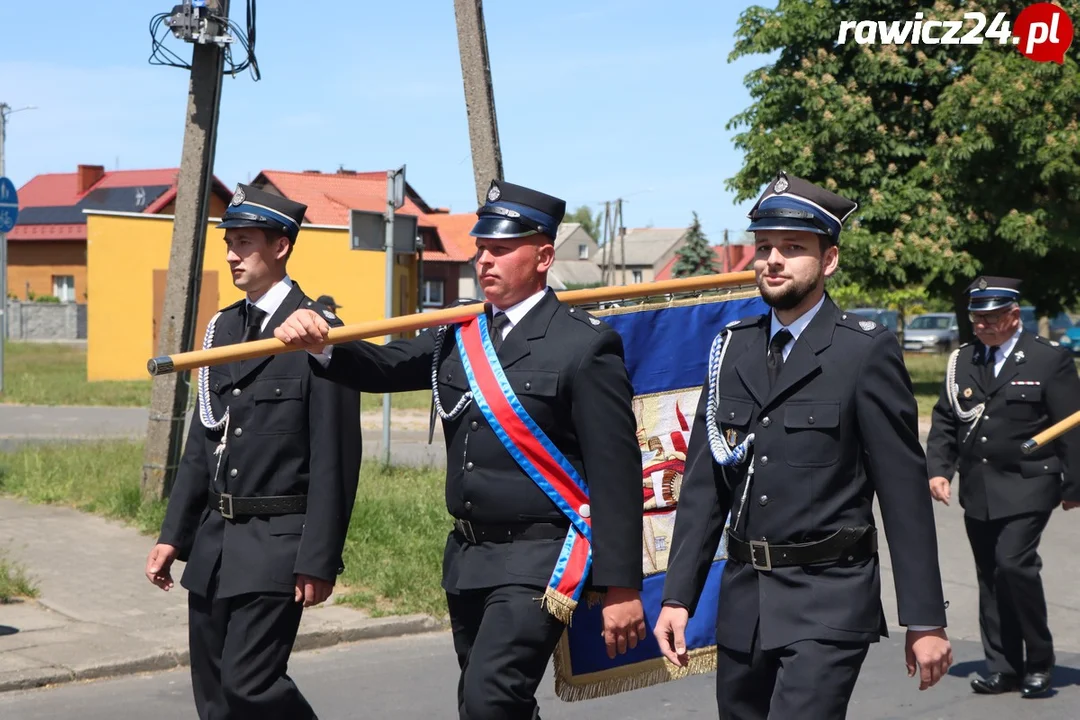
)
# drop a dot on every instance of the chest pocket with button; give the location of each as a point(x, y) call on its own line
point(279, 407)
point(812, 433)
point(220, 385)
point(1023, 401)
point(734, 418)
point(537, 391)
point(452, 382)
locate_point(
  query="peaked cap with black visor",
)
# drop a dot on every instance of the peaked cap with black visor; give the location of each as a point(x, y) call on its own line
point(791, 203)
point(989, 293)
point(514, 212)
point(252, 207)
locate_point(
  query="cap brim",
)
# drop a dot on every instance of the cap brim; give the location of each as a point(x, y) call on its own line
point(246, 222)
point(501, 228)
point(987, 304)
point(779, 223)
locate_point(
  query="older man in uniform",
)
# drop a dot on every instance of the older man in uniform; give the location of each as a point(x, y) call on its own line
point(1000, 391)
point(265, 489)
point(535, 400)
point(829, 404)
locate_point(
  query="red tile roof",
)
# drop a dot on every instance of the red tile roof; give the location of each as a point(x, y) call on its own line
point(330, 196)
point(454, 233)
point(739, 257)
point(62, 190)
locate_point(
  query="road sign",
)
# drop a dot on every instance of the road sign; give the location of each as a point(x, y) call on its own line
point(9, 205)
point(367, 231)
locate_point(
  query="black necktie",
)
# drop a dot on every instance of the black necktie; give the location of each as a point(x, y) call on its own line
point(775, 359)
point(497, 324)
point(988, 365)
point(253, 322)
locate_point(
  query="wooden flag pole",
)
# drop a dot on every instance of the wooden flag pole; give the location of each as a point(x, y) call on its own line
point(446, 316)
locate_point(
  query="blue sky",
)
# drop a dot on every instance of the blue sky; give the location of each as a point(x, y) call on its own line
point(595, 100)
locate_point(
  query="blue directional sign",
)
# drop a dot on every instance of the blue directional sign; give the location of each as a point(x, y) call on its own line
point(9, 205)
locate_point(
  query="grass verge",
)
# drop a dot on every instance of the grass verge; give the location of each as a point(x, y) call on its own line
point(14, 582)
point(55, 374)
point(927, 375)
point(393, 552)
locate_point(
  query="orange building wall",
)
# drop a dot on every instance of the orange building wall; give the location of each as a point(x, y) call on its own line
point(32, 264)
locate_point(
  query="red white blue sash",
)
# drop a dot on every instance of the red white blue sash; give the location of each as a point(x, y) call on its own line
point(538, 457)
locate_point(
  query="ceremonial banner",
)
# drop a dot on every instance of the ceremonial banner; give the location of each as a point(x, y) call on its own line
point(667, 348)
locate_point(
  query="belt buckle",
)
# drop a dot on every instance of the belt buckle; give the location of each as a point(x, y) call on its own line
point(225, 506)
point(763, 546)
point(465, 528)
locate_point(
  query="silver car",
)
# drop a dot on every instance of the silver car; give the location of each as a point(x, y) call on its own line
point(932, 332)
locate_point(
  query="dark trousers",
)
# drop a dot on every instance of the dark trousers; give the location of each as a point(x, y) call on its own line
point(503, 640)
point(807, 679)
point(1012, 607)
point(239, 656)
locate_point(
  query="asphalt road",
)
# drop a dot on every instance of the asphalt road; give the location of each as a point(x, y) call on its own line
point(416, 677)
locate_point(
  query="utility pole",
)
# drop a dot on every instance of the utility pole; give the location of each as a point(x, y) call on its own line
point(169, 395)
point(622, 236)
point(479, 95)
point(395, 198)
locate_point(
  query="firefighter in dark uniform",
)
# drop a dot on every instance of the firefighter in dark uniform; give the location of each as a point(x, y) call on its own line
point(566, 369)
point(265, 489)
point(1000, 391)
point(829, 404)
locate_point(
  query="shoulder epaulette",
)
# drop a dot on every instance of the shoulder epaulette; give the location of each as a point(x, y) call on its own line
point(1045, 341)
point(746, 322)
point(321, 309)
point(585, 318)
point(853, 321)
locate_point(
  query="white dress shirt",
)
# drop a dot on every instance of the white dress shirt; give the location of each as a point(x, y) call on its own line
point(1005, 350)
point(796, 328)
point(271, 299)
point(515, 313)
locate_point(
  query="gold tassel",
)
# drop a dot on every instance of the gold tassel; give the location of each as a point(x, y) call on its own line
point(559, 605)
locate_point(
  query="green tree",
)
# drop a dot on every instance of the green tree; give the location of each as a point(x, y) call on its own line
point(695, 257)
point(589, 223)
point(964, 159)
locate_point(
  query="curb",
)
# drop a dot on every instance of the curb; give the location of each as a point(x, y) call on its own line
point(313, 639)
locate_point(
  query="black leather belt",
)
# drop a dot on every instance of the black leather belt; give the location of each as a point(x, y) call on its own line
point(849, 544)
point(230, 506)
point(484, 532)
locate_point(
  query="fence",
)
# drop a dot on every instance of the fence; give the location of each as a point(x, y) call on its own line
point(46, 321)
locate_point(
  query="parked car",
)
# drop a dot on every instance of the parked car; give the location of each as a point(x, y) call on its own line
point(932, 332)
point(883, 316)
point(1070, 340)
point(1059, 324)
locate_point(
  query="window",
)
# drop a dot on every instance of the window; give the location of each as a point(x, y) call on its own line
point(583, 252)
point(63, 287)
point(636, 275)
point(433, 293)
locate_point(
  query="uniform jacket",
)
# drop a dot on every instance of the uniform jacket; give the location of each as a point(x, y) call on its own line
point(1037, 387)
point(839, 427)
point(290, 433)
point(567, 370)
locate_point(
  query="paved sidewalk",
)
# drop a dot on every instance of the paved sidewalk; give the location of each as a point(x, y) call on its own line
point(98, 615)
point(20, 424)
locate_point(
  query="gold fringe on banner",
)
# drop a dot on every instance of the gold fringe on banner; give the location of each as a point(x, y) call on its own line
point(618, 680)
